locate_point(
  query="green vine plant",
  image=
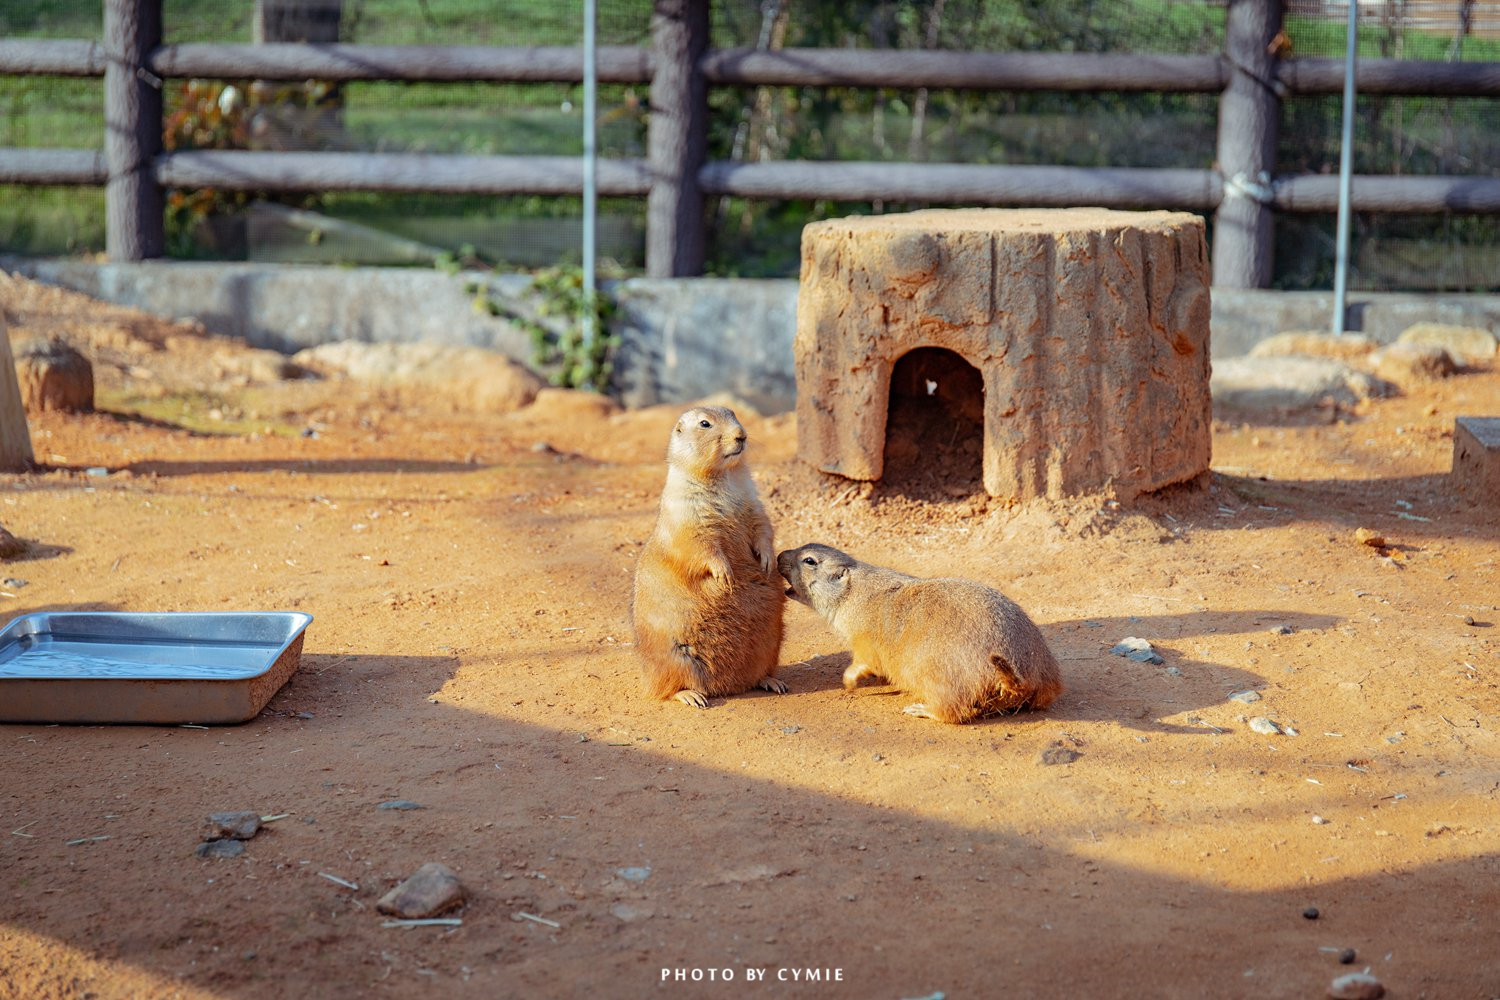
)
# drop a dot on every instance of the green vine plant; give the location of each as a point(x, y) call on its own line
point(561, 344)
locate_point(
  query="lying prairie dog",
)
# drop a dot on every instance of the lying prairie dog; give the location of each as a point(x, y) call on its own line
point(962, 648)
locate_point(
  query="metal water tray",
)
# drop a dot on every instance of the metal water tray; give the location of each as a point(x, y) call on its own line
point(167, 667)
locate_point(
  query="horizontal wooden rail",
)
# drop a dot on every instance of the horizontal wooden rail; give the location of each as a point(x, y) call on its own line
point(1369, 193)
point(1404, 77)
point(445, 174)
point(955, 183)
point(51, 57)
point(938, 183)
point(965, 70)
point(53, 166)
point(892, 68)
point(289, 61)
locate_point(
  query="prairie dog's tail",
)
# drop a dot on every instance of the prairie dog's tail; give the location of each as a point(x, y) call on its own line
point(1015, 694)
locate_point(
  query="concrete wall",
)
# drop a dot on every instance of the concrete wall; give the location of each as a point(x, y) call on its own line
point(681, 339)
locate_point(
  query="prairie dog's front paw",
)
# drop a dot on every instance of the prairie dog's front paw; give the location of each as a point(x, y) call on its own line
point(773, 684)
point(719, 571)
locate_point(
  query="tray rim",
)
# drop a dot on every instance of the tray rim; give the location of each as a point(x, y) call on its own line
point(298, 620)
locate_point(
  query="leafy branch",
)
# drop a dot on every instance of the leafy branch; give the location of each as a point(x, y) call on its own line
point(562, 344)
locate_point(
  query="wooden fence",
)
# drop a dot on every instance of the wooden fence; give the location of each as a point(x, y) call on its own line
point(1244, 191)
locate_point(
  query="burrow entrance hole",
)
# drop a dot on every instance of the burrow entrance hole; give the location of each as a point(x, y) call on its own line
point(934, 431)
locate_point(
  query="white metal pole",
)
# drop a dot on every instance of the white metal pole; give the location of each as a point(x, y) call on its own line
point(1346, 167)
point(590, 174)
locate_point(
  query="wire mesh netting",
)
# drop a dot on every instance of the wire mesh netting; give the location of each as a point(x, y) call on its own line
point(752, 238)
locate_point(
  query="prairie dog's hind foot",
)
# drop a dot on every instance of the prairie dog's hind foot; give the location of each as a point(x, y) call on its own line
point(691, 698)
point(921, 711)
point(773, 684)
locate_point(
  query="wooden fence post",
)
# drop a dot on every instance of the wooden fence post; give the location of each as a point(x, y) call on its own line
point(1249, 119)
point(133, 203)
point(677, 139)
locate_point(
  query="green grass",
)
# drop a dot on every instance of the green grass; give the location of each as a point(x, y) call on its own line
point(51, 221)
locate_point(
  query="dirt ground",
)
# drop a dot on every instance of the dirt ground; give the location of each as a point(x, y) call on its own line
point(469, 576)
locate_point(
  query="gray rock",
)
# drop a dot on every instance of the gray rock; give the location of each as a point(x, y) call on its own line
point(231, 825)
point(1413, 362)
point(638, 874)
point(403, 805)
point(1282, 630)
point(1290, 385)
point(220, 849)
point(1313, 344)
point(1248, 697)
point(1136, 649)
point(1356, 986)
point(1470, 343)
point(433, 889)
point(1059, 755)
point(1264, 726)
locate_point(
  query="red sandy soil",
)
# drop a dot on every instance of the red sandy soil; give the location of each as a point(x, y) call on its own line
point(471, 652)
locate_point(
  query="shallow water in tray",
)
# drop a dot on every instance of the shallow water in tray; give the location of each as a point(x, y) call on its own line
point(84, 658)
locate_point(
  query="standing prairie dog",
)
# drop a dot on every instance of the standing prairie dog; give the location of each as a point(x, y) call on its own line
point(964, 649)
point(708, 600)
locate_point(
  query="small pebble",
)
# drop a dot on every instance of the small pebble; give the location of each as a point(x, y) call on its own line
point(1319, 821)
point(1139, 650)
point(1468, 619)
point(1356, 986)
point(1248, 697)
point(433, 889)
point(1347, 956)
point(16, 583)
point(877, 757)
point(634, 874)
point(1311, 913)
point(791, 730)
point(1264, 726)
point(1171, 671)
point(629, 912)
point(220, 849)
point(402, 804)
point(1365, 536)
point(231, 826)
point(1282, 630)
point(97, 471)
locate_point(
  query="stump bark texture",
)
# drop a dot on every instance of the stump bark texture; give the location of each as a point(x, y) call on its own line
point(15, 434)
point(1088, 328)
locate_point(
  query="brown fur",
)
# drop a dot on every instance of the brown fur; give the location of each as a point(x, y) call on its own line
point(708, 600)
point(964, 649)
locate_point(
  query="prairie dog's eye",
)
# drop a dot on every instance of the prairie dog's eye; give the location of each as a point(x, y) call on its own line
point(809, 560)
point(704, 423)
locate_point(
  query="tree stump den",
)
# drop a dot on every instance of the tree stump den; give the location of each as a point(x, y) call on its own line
point(54, 376)
point(1067, 347)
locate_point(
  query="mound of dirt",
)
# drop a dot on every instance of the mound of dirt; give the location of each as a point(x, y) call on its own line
point(469, 574)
